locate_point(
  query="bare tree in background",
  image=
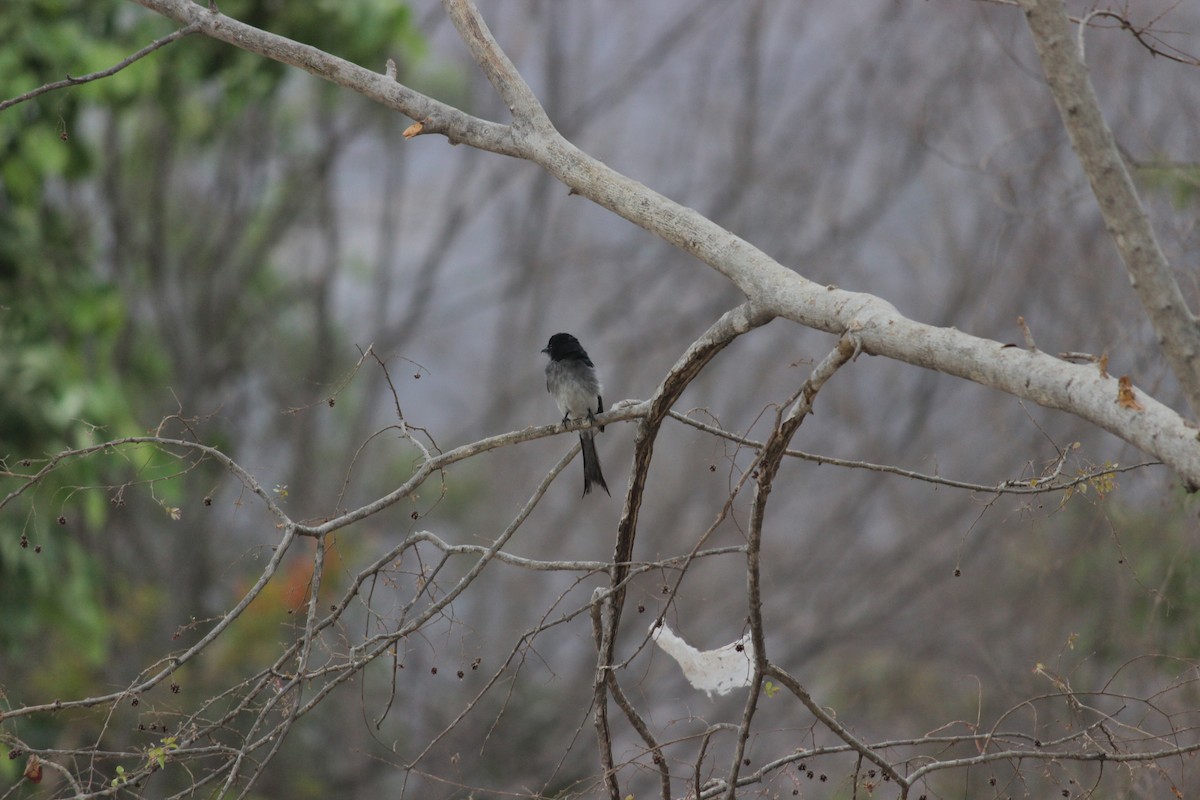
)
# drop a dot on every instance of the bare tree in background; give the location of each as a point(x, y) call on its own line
point(838, 587)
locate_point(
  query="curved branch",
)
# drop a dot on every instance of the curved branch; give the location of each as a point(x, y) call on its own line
point(769, 459)
point(862, 748)
point(434, 116)
point(1126, 220)
point(1035, 376)
point(173, 663)
point(104, 73)
point(732, 324)
point(497, 66)
point(1042, 484)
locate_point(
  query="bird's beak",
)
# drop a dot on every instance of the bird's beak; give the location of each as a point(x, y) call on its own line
point(546, 350)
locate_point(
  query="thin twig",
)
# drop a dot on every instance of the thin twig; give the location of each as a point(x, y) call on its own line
point(867, 751)
point(787, 421)
point(1038, 485)
point(728, 327)
point(600, 633)
point(104, 73)
point(643, 730)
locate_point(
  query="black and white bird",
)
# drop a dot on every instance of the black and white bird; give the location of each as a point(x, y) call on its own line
point(572, 381)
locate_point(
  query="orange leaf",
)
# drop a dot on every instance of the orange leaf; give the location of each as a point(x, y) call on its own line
point(1125, 395)
point(33, 769)
point(414, 129)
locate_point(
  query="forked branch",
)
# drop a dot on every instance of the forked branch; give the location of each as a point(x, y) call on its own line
point(770, 286)
point(1124, 216)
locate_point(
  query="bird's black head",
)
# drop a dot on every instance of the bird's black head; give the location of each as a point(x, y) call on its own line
point(563, 345)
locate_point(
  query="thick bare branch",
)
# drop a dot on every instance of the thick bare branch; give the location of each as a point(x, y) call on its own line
point(245, 725)
point(770, 286)
point(500, 71)
point(434, 116)
point(1152, 277)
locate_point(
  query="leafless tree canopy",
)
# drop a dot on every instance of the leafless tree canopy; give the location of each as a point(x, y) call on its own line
point(893, 308)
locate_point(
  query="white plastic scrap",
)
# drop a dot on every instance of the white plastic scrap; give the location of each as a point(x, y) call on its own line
point(721, 670)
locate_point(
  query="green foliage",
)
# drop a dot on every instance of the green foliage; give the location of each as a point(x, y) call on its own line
point(1127, 575)
point(358, 30)
point(60, 325)
point(75, 364)
point(133, 157)
point(1180, 181)
point(45, 42)
point(165, 747)
point(1165, 567)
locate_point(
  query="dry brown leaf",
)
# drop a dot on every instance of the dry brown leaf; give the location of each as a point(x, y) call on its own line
point(413, 130)
point(1029, 345)
point(1104, 366)
point(1125, 395)
point(33, 769)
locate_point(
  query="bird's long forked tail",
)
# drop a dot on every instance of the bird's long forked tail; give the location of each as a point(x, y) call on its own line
point(591, 464)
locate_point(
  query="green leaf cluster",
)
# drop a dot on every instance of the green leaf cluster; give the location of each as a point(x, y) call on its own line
point(1181, 182)
point(73, 363)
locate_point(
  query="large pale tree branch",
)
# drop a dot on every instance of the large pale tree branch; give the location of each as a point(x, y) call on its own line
point(1078, 389)
point(437, 117)
point(1152, 277)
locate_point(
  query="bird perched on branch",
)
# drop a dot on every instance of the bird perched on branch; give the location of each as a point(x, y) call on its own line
point(572, 382)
